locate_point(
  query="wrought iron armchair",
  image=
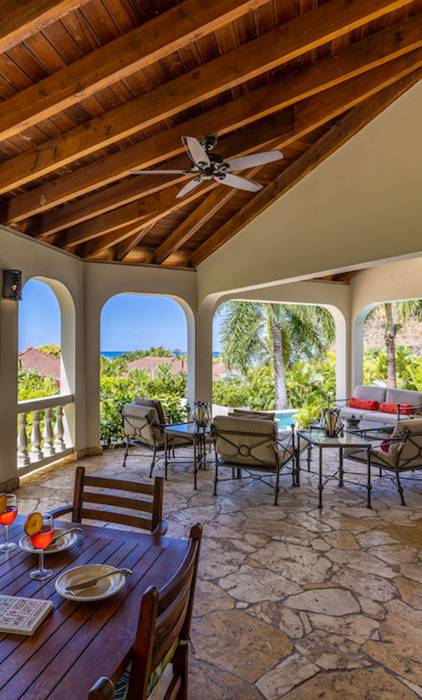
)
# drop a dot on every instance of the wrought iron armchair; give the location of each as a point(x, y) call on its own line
point(252, 445)
point(396, 454)
point(143, 424)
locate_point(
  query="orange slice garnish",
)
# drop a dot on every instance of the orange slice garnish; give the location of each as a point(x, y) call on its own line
point(3, 502)
point(33, 524)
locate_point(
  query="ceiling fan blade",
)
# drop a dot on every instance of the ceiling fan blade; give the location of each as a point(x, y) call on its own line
point(196, 151)
point(160, 172)
point(240, 183)
point(254, 159)
point(191, 185)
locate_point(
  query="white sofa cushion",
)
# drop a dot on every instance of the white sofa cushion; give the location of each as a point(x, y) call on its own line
point(369, 393)
point(414, 398)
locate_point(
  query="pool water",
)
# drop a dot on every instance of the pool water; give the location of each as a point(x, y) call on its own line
point(285, 418)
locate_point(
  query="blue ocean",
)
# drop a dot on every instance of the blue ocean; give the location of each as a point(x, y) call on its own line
point(109, 354)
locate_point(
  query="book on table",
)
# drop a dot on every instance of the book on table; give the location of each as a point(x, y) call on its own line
point(22, 615)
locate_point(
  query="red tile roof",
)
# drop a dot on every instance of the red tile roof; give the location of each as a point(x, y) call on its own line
point(41, 362)
point(150, 364)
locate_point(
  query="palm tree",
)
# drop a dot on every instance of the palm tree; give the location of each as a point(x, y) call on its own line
point(254, 333)
point(395, 316)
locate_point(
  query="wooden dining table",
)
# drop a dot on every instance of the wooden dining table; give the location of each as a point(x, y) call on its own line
point(79, 642)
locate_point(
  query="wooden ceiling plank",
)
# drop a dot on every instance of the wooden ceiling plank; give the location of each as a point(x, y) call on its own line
point(331, 71)
point(341, 132)
point(257, 136)
point(143, 46)
point(20, 20)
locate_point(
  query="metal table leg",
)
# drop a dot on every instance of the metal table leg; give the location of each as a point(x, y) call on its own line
point(369, 485)
point(340, 468)
point(320, 486)
point(166, 454)
point(195, 462)
point(297, 460)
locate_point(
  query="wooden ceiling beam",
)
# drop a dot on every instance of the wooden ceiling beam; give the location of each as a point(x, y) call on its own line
point(198, 218)
point(357, 58)
point(142, 46)
point(341, 132)
point(255, 137)
point(19, 20)
point(123, 248)
point(146, 211)
point(97, 245)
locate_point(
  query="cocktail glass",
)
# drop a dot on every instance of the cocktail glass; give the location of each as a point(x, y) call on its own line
point(6, 519)
point(40, 541)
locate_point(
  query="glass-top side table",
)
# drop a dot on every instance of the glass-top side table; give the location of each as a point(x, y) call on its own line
point(198, 437)
point(319, 439)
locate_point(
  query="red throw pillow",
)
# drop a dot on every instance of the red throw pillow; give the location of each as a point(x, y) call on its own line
point(405, 408)
point(385, 446)
point(364, 404)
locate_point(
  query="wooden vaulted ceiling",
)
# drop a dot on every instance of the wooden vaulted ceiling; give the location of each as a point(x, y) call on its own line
point(91, 89)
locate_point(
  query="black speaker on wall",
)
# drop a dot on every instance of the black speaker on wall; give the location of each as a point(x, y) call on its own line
point(12, 284)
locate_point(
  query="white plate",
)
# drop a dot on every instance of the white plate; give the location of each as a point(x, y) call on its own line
point(60, 545)
point(103, 589)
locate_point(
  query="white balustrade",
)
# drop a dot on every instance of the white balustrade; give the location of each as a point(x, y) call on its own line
point(48, 440)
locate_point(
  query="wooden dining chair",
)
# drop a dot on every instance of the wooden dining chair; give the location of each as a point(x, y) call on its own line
point(90, 491)
point(162, 636)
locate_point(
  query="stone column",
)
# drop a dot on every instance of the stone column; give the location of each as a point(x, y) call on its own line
point(8, 393)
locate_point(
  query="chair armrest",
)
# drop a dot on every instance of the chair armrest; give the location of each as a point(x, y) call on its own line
point(60, 510)
point(161, 528)
point(103, 689)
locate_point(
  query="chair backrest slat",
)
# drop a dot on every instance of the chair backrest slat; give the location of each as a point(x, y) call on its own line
point(119, 518)
point(122, 507)
point(118, 484)
point(118, 501)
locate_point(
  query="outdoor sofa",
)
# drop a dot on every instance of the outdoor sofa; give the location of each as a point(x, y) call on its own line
point(388, 406)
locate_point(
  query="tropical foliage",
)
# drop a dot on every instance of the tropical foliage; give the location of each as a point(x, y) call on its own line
point(254, 334)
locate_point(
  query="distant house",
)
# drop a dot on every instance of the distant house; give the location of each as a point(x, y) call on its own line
point(176, 364)
point(34, 359)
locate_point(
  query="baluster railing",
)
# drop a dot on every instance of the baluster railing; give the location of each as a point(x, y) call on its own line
point(23, 453)
point(36, 451)
point(49, 438)
point(49, 448)
point(59, 442)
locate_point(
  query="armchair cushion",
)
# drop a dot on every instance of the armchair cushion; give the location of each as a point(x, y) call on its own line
point(246, 441)
point(152, 403)
point(244, 413)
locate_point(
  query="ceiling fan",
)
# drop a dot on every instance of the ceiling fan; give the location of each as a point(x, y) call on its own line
point(210, 166)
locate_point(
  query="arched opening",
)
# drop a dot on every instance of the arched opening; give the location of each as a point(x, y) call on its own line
point(388, 346)
point(144, 348)
point(281, 357)
point(46, 373)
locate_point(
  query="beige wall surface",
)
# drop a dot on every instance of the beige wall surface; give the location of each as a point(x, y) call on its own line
point(362, 205)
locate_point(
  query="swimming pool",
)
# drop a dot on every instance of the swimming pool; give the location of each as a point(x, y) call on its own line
point(286, 418)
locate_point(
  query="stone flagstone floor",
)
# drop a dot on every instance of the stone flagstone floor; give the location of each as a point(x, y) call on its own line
point(292, 602)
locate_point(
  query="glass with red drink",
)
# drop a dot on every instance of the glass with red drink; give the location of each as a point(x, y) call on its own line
point(7, 516)
point(40, 541)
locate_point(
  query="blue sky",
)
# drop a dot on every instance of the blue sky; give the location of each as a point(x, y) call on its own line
point(128, 321)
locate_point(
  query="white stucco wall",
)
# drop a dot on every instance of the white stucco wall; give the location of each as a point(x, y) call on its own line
point(360, 206)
